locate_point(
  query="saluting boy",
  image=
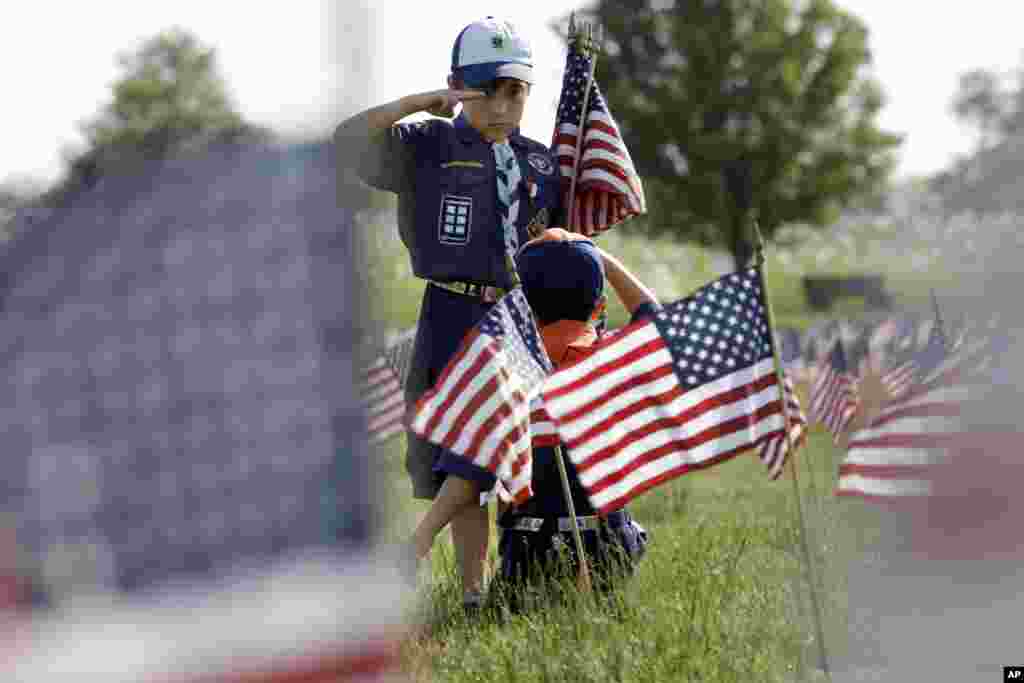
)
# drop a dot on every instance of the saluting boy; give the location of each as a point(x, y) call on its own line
point(470, 192)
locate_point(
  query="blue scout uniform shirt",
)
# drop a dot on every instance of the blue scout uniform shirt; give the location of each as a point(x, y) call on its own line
point(448, 219)
point(444, 175)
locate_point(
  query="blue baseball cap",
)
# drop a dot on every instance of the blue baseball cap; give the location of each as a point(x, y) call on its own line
point(490, 49)
point(562, 280)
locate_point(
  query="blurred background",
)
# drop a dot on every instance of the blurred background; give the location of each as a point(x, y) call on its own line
point(180, 421)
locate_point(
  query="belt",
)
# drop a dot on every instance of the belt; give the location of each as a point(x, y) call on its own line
point(614, 520)
point(473, 289)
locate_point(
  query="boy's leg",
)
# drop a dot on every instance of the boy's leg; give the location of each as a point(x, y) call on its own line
point(471, 535)
point(455, 497)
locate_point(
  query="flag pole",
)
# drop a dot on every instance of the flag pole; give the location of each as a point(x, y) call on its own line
point(583, 578)
point(790, 448)
point(938, 320)
point(587, 46)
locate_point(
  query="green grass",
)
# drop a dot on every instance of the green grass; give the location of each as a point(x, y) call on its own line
point(723, 593)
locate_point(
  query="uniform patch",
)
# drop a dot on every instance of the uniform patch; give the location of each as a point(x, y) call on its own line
point(455, 219)
point(541, 163)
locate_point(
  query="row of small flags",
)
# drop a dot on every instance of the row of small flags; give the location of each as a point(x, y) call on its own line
point(383, 378)
point(692, 387)
point(919, 425)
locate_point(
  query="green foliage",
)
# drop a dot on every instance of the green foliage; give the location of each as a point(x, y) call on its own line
point(981, 101)
point(988, 180)
point(169, 91)
point(170, 96)
point(774, 88)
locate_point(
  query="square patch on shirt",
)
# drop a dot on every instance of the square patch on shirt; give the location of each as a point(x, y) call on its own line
point(456, 217)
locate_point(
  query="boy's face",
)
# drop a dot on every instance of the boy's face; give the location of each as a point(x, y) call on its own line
point(500, 113)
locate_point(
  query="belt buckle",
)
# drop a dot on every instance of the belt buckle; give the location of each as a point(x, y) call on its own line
point(527, 524)
point(587, 523)
point(490, 294)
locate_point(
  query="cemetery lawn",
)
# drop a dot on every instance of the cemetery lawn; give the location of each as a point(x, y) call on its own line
point(723, 593)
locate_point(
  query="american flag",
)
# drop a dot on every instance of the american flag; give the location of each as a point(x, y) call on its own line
point(608, 189)
point(690, 387)
point(900, 378)
point(833, 399)
point(480, 406)
point(891, 341)
point(894, 455)
point(774, 451)
point(382, 387)
point(543, 431)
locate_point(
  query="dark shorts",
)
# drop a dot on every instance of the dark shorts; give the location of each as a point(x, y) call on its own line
point(445, 320)
point(535, 557)
point(429, 465)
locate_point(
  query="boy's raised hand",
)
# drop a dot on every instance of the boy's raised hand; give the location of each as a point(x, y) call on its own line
point(443, 101)
point(557, 235)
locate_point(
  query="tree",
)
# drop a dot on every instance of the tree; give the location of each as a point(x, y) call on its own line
point(981, 101)
point(771, 93)
point(169, 95)
point(170, 92)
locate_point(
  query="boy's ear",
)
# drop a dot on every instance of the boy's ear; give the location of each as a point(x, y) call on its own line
point(599, 308)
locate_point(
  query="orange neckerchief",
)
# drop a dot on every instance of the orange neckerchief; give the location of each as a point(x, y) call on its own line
point(564, 337)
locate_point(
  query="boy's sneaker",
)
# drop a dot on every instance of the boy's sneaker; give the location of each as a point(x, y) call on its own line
point(472, 605)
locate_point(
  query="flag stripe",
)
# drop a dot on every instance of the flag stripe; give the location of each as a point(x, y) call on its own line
point(692, 386)
point(775, 451)
point(697, 409)
point(480, 407)
point(709, 419)
point(607, 187)
point(896, 454)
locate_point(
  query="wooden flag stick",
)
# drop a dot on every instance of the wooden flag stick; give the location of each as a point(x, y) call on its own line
point(583, 577)
point(791, 451)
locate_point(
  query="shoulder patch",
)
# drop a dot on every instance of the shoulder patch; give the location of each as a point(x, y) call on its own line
point(541, 162)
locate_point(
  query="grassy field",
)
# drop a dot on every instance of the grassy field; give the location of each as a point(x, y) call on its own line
point(722, 595)
point(724, 591)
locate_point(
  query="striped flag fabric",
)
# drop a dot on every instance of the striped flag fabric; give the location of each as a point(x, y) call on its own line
point(608, 189)
point(894, 455)
point(314, 620)
point(774, 451)
point(899, 379)
point(833, 394)
point(690, 387)
point(480, 406)
point(382, 387)
point(543, 431)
